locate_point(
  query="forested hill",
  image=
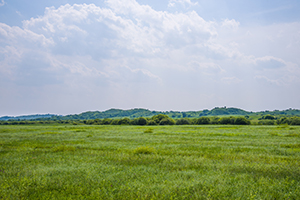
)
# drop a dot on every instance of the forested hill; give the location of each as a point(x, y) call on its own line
point(26, 117)
point(139, 112)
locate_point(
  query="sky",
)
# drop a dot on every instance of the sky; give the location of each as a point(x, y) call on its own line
point(71, 56)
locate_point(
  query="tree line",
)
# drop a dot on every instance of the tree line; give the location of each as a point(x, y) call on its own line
point(162, 119)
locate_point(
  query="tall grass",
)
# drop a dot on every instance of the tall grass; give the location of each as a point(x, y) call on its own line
point(131, 162)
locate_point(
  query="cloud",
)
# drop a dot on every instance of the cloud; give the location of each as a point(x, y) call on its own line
point(231, 80)
point(172, 3)
point(2, 3)
point(128, 53)
point(269, 62)
point(26, 37)
point(232, 24)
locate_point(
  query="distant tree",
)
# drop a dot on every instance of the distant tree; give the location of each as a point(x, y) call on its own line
point(183, 121)
point(167, 121)
point(106, 121)
point(295, 121)
point(241, 121)
point(152, 123)
point(115, 122)
point(269, 117)
point(266, 122)
point(226, 120)
point(203, 120)
point(124, 121)
point(141, 121)
point(159, 117)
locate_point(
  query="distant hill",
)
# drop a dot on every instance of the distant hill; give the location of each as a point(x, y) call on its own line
point(140, 112)
point(26, 117)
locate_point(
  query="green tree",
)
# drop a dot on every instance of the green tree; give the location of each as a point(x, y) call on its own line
point(124, 121)
point(183, 121)
point(241, 121)
point(115, 122)
point(227, 120)
point(152, 123)
point(159, 117)
point(202, 120)
point(106, 121)
point(167, 121)
point(141, 121)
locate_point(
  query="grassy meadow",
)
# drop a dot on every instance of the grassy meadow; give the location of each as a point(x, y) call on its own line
point(144, 162)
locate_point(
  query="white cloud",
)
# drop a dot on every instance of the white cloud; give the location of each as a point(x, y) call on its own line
point(232, 24)
point(172, 3)
point(14, 35)
point(231, 80)
point(2, 3)
point(126, 49)
point(270, 62)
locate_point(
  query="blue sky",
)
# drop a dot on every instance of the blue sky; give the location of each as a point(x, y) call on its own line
point(67, 57)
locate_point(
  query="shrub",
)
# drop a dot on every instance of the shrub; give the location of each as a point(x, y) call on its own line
point(203, 120)
point(167, 121)
point(106, 121)
point(124, 121)
point(152, 123)
point(269, 117)
point(226, 120)
point(158, 118)
point(266, 122)
point(295, 121)
point(183, 121)
point(99, 121)
point(114, 122)
point(144, 150)
point(214, 120)
point(241, 121)
point(150, 130)
point(141, 121)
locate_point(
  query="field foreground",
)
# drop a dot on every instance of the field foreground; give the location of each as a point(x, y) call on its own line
point(143, 162)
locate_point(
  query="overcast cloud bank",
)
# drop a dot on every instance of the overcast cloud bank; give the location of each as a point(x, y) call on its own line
point(83, 57)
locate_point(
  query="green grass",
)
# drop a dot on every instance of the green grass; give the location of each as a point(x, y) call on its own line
point(158, 162)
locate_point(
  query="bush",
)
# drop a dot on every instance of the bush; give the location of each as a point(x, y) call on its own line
point(295, 121)
point(158, 118)
point(203, 120)
point(144, 150)
point(183, 121)
point(214, 120)
point(269, 117)
point(106, 121)
point(141, 121)
point(167, 121)
point(241, 121)
point(226, 120)
point(152, 123)
point(266, 122)
point(124, 121)
point(150, 130)
point(114, 122)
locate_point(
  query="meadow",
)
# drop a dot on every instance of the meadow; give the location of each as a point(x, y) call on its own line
point(149, 162)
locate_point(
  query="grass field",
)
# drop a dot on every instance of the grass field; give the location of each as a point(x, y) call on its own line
point(160, 162)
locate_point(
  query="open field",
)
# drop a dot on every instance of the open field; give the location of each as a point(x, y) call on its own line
point(143, 162)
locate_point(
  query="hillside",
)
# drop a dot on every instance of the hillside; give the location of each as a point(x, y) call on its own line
point(26, 117)
point(140, 112)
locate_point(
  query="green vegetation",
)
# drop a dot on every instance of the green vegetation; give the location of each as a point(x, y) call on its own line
point(139, 112)
point(150, 162)
point(166, 120)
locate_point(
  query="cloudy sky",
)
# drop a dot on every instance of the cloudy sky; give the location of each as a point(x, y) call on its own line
point(71, 56)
